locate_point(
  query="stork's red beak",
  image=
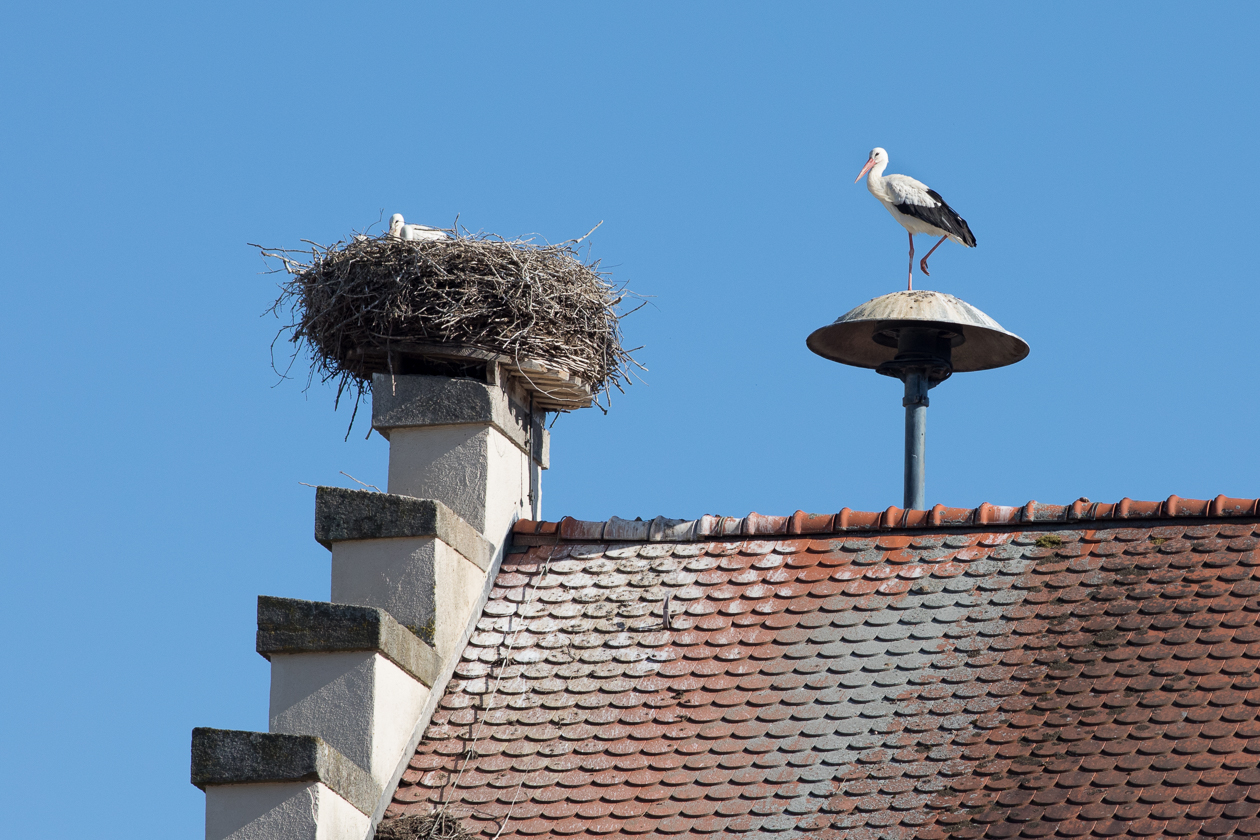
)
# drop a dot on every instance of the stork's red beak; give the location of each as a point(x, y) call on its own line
point(869, 163)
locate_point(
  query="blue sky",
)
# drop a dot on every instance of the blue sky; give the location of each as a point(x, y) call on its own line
point(1104, 155)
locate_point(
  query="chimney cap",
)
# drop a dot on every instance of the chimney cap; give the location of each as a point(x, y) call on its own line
point(860, 337)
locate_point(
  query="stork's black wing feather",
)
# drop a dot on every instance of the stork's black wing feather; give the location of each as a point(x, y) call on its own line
point(942, 216)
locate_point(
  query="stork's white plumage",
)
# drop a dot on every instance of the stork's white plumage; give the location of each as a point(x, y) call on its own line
point(413, 233)
point(917, 208)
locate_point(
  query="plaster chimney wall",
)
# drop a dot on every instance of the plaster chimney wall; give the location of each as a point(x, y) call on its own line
point(313, 693)
point(476, 447)
point(473, 468)
point(281, 811)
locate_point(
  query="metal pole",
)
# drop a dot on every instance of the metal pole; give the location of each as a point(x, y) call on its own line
point(916, 403)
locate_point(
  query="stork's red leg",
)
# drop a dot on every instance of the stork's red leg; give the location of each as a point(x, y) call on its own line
point(910, 274)
point(923, 262)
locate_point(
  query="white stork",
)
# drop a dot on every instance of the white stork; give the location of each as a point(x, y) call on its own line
point(413, 233)
point(917, 208)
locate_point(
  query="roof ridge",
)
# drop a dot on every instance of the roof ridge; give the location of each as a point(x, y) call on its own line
point(662, 529)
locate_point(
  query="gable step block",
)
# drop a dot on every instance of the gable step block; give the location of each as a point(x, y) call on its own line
point(262, 785)
point(351, 675)
point(290, 625)
point(342, 514)
point(405, 556)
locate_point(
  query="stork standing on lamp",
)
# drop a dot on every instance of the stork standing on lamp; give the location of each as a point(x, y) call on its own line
point(917, 208)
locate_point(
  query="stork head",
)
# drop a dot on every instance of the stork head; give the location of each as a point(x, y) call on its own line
point(878, 157)
point(395, 223)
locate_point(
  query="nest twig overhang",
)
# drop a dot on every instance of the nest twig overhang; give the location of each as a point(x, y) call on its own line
point(356, 305)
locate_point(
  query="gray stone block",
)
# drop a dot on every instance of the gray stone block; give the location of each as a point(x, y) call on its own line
point(401, 401)
point(342, 514)
point(289, 625)
point(233, 757)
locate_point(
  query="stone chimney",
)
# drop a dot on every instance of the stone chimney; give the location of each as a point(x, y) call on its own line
point(354, 681)
point(477, 447)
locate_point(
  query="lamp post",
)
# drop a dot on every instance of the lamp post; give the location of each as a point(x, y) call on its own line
point(921, 338)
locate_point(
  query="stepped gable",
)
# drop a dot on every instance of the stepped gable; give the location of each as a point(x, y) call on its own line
point(1058, 680)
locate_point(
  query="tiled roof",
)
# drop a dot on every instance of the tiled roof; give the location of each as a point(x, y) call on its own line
point(1083, 680)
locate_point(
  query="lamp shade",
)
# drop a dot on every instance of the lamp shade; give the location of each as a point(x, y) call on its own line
point(866, 335)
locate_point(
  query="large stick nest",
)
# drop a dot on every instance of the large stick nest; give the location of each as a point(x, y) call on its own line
point(354, 303)
point(438, 825)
